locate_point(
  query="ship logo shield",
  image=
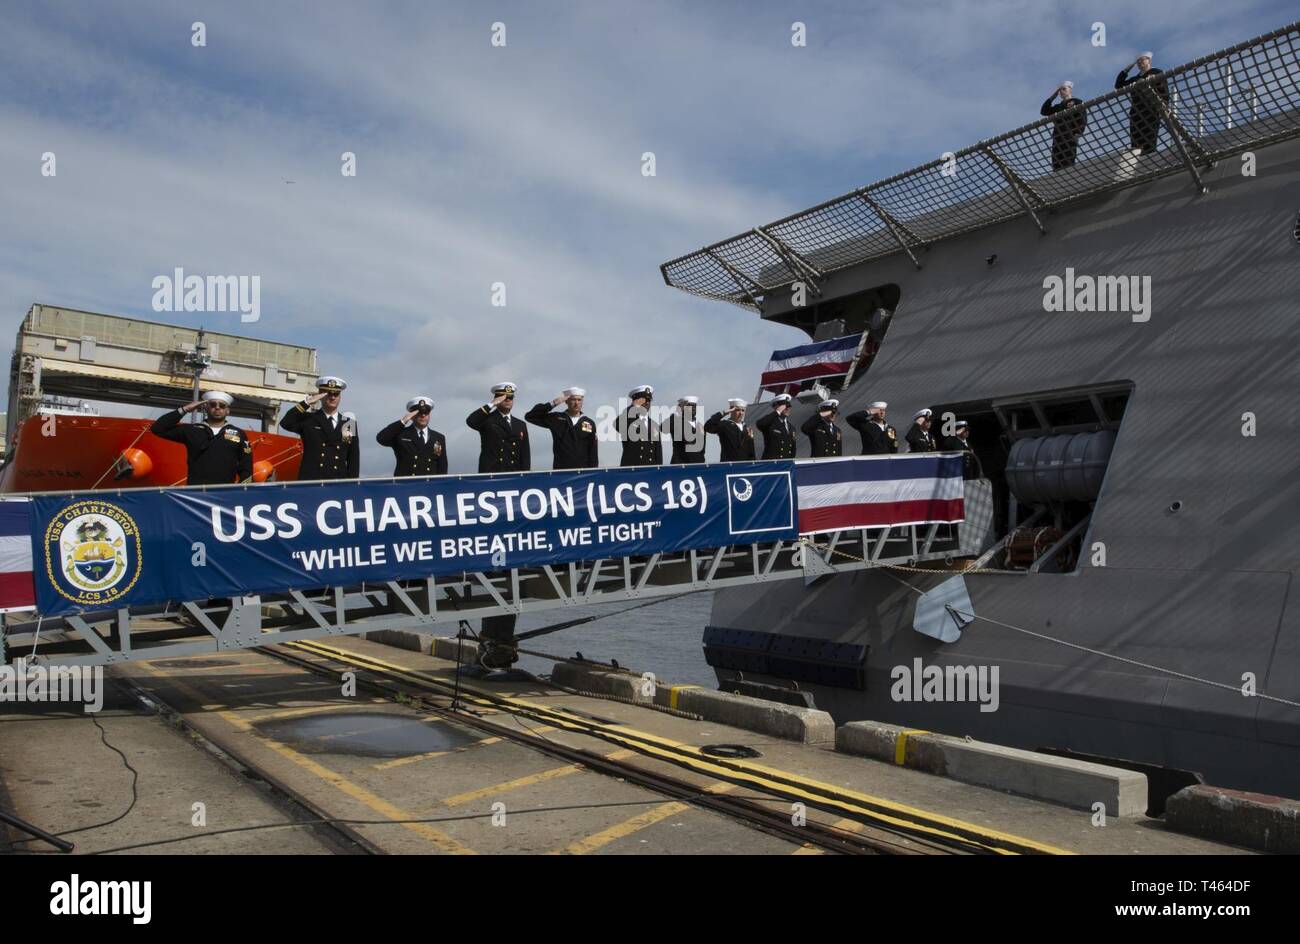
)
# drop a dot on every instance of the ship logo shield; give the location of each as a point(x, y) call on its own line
point(92, 553)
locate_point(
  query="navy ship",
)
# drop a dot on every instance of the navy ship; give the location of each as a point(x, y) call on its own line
point(1121, 333)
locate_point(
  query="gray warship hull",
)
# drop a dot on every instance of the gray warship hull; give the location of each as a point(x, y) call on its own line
point(1170, 637)
point(1208, 590)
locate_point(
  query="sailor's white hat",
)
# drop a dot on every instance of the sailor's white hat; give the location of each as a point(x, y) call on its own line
point(644, 390)
point(782, 398)
point(921, 413)
point(688, 401)
point(1146, 55)
point(961, 424)
point(829, 405)
point(505, 386)
point(878, 405)
point(331, 383)
point(574, 392)
point(412, 403)
point(735, 403)
point(218, 395)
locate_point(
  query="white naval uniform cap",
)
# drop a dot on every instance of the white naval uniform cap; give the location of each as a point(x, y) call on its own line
point(829, 405)
point(878, 405)
point(219, 396)
point(688, 401)
point(782, 398)
point(645, 390)
point(921, 413)
point(961, 424)
point(412, 403)
point(735, 403)
point(575, 392)
point(505, 386)
point(331, 383)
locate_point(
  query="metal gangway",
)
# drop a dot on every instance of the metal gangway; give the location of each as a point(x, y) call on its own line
point(1218, 106)
point(202, 627)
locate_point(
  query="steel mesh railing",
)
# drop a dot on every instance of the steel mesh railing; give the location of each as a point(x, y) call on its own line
point(1181, 120)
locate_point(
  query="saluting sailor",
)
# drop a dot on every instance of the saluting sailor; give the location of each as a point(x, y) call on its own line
point(778, 434)
point(503, 439)
point(642, 438)
point(330, 447)
point(736, 438)
point(420, 449)
point(573, 433)
point(878, 438)
point(686, 432)
point(972, 468)
point(918, 437)
point(216, 452)
point(820, 428)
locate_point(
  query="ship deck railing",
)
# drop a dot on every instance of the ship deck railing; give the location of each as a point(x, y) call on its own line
point(1221, 105)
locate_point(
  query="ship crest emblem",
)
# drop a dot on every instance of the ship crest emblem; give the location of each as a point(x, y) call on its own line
point(92, 553)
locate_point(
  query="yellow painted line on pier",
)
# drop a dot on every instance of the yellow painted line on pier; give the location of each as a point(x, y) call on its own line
point(519, 783)
point(376, 803)
point(625, 828)
point(900, 745)
point(635, 824)
point(766, 778)
point(672, 694)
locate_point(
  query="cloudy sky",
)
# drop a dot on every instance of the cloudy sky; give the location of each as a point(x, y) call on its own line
point(519, 164)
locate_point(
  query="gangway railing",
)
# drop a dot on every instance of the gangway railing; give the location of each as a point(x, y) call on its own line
point(1220, 105)
point(197, 628)
point(780, 520)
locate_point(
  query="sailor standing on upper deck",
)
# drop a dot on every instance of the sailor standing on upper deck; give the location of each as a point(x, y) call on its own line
point(216, 452)
point(820, 428)
point(503, 439)
point(642, 438)
point(736, 438)
point(1067, 129)
point(1144, 112)
point(686, 432)
point(878, 438)
point(420, 450)
point(778, 434)
point(918, 437)
point(330, 448)
point(573, 433)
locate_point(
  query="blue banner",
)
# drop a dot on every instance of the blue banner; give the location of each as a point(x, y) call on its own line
point(98, 550)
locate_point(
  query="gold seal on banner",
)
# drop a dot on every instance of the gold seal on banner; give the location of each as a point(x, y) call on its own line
point(93, 553)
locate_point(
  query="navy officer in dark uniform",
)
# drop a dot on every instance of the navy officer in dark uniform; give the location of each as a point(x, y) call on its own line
point(919, 438)
point(972, 468)
point(820, 428)
point(778, 434)
point(330, 447)
point(642, 437)
point(216, 452)
point(573, 433)
point(503, 439)
point(420, 449)
point(736, 438)
point(878, 438)
point(686, 432)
